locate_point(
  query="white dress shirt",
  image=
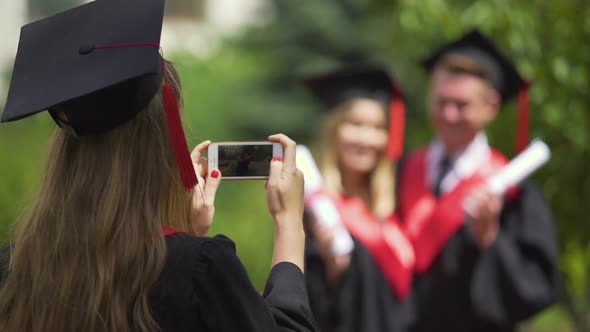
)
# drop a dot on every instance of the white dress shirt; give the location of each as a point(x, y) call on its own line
point(463, 164)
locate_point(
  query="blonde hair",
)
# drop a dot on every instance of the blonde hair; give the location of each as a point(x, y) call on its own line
point(92, 247)
point(382, 177)
point(462, 64)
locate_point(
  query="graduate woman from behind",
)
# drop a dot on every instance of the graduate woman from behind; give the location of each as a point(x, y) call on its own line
point(364, 289)
point(115, 239)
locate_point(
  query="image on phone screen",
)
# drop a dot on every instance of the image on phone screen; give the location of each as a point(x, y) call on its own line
point(244, 160)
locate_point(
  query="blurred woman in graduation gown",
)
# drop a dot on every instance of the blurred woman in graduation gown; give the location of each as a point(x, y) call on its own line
point(114, 241)
point(364, 289)
point(484, 262)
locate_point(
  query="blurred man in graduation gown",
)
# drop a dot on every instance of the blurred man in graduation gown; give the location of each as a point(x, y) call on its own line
point(496, 266)
point(363, 289)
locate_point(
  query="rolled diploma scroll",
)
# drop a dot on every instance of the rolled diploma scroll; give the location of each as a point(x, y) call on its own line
point(321, 205)
point(526, 163)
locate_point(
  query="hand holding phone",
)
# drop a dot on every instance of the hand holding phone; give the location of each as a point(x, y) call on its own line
point(284, 193)
point(205, 190)
point(243, 160)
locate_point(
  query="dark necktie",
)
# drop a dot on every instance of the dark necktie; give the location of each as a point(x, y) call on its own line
point(443, 168)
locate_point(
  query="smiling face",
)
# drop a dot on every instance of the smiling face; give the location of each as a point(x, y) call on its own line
point(461, 105)
point(362, 136)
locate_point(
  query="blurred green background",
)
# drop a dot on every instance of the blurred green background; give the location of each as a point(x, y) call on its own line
point(247, 88)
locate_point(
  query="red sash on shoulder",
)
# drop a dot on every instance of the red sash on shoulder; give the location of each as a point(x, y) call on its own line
point(170, 231)
point(385, 241)
point(429, 223)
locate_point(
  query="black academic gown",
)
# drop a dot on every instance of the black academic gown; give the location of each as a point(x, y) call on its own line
point(362, 301)
point(493, 290)
point(205, 287)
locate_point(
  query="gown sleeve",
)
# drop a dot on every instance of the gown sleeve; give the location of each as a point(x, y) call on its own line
point(517, 276)
point(231, 303)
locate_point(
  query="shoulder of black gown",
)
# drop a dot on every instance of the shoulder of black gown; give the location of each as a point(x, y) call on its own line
point(517, 276)
point(230, 301)
point(5, 255)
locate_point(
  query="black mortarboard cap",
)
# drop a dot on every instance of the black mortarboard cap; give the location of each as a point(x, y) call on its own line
point(500, 70)
point(59, 67)
point(344, 84)
point(99, 64)
point(369, 81)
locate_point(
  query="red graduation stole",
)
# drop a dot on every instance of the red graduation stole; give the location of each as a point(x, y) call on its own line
point(385, 241)
point(429, 223)
point(168, 231)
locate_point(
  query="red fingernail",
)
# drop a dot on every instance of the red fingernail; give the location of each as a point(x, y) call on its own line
point(215, 174)
point(277, 159)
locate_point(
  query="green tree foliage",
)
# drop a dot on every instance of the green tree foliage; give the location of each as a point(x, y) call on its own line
point(42, 8)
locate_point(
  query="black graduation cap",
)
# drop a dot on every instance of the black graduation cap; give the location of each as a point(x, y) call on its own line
point(94, 67)
point(500, 70)
point(58, 68)
point(363, 81)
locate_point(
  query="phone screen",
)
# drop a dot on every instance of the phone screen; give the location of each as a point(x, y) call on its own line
point(244, 160)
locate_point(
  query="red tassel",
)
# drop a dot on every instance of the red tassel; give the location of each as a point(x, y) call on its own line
point(397, 121)
point(178, 139)
point(522, 133)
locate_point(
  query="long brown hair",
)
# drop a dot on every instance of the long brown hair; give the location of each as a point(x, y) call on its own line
point(92, 247)
point(382, 178)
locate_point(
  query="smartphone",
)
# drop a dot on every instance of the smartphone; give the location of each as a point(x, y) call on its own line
point(243, 160)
